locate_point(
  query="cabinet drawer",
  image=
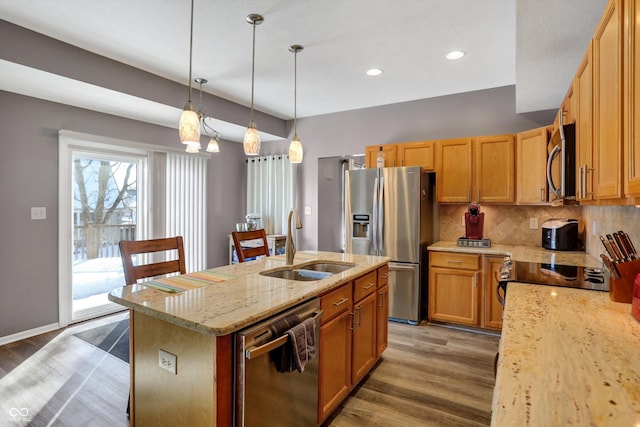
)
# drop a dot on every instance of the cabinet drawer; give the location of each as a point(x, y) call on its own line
point(364, 285)
point(456, 260)
point(335, 302)
point(383, 276)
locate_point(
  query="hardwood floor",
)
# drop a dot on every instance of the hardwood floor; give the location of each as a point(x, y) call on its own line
point(429, 376)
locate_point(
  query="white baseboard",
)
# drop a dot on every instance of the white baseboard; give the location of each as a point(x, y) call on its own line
point(30, 333)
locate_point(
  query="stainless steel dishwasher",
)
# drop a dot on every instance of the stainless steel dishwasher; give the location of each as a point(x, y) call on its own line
point(263, 396)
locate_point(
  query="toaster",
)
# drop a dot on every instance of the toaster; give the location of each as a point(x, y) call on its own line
point(560, 234)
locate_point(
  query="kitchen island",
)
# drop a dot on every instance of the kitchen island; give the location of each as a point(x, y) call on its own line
point(197, 326)
point(567, 357)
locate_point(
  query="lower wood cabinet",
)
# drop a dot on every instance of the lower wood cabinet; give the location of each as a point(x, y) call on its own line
point(351, 337)
point(382, 310)
point(459, 292)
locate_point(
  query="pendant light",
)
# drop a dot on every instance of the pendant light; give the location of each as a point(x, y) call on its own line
point(251, 137)
point(295, 148)
point(214, 137)
point(189, 126)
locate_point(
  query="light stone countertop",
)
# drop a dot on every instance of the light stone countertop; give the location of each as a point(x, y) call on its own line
point(567, 357)
point(524, 253)
point(226, 307)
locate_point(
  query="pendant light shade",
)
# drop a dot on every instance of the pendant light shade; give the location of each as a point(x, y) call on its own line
point(251, 141)
point(213, 146)
point(295, 148)
point(189, 125)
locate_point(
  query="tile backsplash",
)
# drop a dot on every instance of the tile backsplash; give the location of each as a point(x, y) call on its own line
point(509, 224)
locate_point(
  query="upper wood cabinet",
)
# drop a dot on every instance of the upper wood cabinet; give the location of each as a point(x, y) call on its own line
point(494, 169)
point(607, 102)
point(371, 155)
point(531, 166)
point(480, 169)
point(454, 170)
point(419, 153)
point(631, 99)
point(583, 87)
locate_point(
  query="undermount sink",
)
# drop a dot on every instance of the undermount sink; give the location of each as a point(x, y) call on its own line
point(315, 270)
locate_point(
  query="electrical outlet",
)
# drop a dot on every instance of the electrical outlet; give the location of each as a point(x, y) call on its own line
point(462, 223)
point(38, 213)
point(168, 361)
point(307, 210)
point(594, 231)
point(533, 223)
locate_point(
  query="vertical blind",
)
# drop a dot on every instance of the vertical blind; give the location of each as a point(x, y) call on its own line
point(185, 205)
point(271, 190)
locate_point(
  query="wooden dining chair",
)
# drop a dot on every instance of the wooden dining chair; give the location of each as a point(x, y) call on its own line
point(132, 273)
point(251, 250)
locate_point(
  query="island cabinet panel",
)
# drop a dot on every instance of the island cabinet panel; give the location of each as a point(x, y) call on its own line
point(531, 166)
point(382, 310)
point(334, 369)
point(364, 337)
point(607, 97)
point(193, 400)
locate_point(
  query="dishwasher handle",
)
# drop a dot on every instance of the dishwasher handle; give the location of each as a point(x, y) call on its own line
point(253, 352)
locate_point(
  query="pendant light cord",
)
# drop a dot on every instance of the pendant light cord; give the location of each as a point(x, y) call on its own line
point(295, 92)
point(253, 68)
point(190, 50)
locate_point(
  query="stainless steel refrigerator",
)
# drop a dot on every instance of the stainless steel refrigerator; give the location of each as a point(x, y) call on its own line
point(390, 212)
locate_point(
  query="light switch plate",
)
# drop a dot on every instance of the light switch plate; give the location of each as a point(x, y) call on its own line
point(533, 223)
point(307, 210)
point(168, 361)
point(38, 213)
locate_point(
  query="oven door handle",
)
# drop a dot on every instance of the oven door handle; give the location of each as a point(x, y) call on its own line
point(253, 352)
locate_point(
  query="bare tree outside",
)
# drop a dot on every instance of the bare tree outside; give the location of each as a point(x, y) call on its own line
point(104, 205)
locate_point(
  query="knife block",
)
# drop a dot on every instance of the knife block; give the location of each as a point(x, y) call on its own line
point(621, 290)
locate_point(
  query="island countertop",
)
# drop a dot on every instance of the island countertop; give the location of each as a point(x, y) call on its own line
point(567, 357)
point(245, 298)
point(524, 253)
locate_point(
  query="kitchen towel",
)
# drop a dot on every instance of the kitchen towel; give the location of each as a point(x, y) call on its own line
point(302, 339)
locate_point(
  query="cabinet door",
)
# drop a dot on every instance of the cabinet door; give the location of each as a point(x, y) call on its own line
point(453, 296)
point(334, 371)
point(364, 337)
point(495, 169)
point(454, 179)
point(492, 310)
point(607, 97)
point(371, 155)
point(417, 154)
point(583, 86)
point(632, 95)
point(382, 319)
point(531, 172)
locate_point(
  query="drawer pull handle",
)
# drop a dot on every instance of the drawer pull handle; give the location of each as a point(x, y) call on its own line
point(386, 276)
point(339, 303)
point(369, 286)
point(457, 261)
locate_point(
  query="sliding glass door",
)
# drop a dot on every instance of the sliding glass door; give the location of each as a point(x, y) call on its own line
point(102, 199)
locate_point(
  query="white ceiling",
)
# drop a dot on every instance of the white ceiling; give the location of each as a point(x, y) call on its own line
point(534, 44)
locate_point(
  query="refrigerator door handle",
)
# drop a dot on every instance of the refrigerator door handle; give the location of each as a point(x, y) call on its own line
point(380, 222)
point(374, 223)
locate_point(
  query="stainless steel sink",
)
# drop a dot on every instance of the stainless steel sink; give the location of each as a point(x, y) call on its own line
point(307, 272)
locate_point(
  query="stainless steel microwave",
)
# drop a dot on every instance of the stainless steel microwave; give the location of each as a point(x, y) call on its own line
point(561, 164)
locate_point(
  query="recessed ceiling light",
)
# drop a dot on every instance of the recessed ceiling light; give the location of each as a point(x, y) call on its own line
point(455, 54)
point(374, 72)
